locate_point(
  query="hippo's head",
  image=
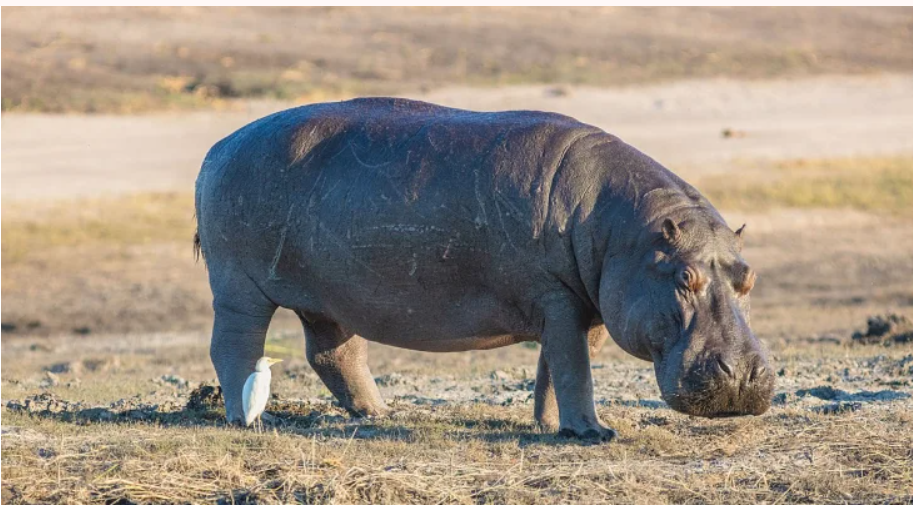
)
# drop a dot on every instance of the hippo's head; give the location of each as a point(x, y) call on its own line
point(685, 306)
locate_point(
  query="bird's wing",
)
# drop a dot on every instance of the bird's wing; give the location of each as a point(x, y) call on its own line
point(246, 399)
point(255, 395)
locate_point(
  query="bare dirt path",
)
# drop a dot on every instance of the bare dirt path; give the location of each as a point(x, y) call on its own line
point(680, 124)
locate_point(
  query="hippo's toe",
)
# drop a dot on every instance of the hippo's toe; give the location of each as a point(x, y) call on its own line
point(591, 434)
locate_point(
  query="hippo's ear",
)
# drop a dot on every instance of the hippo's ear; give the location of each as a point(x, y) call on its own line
point(671, 231)
point(738, 235)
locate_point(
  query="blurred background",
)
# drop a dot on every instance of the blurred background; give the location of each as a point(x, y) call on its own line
point(798, 122)
point(107, 113)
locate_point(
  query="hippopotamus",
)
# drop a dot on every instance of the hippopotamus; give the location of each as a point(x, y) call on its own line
point(437, 229)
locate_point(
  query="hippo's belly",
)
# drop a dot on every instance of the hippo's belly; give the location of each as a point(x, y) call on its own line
point(458, 344)
point(426, 314)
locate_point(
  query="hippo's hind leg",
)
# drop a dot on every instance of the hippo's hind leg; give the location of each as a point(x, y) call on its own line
point(340, 359)
point(546, 403)
point(238, 337)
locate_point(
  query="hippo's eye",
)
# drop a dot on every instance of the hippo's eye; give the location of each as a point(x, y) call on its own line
point(688, 279)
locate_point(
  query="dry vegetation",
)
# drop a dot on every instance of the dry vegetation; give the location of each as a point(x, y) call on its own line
point(462, 433)
point(129, 60)
point(882, 185)
point(107, 264)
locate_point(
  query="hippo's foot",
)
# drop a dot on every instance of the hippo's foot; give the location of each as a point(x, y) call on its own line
point(548, 425)
point(597, 433)
point(370, 411)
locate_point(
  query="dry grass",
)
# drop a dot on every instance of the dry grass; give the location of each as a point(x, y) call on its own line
point(106, 264)
point(61, 60)
point(467, 453)
point(883, 185)
point(114, 222)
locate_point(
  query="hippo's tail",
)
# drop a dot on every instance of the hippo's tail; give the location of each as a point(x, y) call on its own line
point(197, 247)
point(212, 157)
point(197, 241)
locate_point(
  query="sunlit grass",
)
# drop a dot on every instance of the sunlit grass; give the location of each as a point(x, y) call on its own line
point(112, 221)
point(882, 185)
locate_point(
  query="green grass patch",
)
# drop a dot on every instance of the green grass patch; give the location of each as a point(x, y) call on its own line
point(883, 185)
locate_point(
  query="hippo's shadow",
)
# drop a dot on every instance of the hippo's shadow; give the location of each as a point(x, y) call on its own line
point(47, 406)
point(302, 419)
point(490, 430)
point(829, 393)
point(655, 404)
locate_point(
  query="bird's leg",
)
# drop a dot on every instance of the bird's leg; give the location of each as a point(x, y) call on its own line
point(237, 344)
point(340, 358)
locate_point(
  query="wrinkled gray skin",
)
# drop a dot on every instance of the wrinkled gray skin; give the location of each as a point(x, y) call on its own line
point(439, 229)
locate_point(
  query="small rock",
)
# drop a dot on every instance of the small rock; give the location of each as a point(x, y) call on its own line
point(822, 392)
point(174, 380)
point(7, 327)
point(557, 91)
point(65, 367)
point(390, 379)
point(83, 330)
point(730, 133)
point(101, 365)
point(837, 408)
point(205, 397)
point(781, 398)
point(500, 375)
point(50, 380)
point(886, 330)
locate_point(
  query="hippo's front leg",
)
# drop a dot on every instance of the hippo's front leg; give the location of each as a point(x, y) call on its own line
point(546, 408)
point(566, 353)
point(340, 359)
point(237, 344)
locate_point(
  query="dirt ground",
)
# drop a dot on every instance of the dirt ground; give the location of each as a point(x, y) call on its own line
point(680, 124)
point(106, 316)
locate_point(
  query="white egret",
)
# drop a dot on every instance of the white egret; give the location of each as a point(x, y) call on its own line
point(256, 391)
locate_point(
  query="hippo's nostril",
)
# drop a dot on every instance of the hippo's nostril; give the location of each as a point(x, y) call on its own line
point(757, 372)
point(726, 367)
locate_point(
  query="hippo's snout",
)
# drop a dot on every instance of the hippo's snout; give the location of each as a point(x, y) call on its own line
point(725, 386)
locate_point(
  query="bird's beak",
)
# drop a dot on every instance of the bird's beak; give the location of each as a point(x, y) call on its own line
point(274, 361)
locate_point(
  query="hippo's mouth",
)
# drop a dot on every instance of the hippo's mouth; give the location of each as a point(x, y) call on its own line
point(714, 396)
